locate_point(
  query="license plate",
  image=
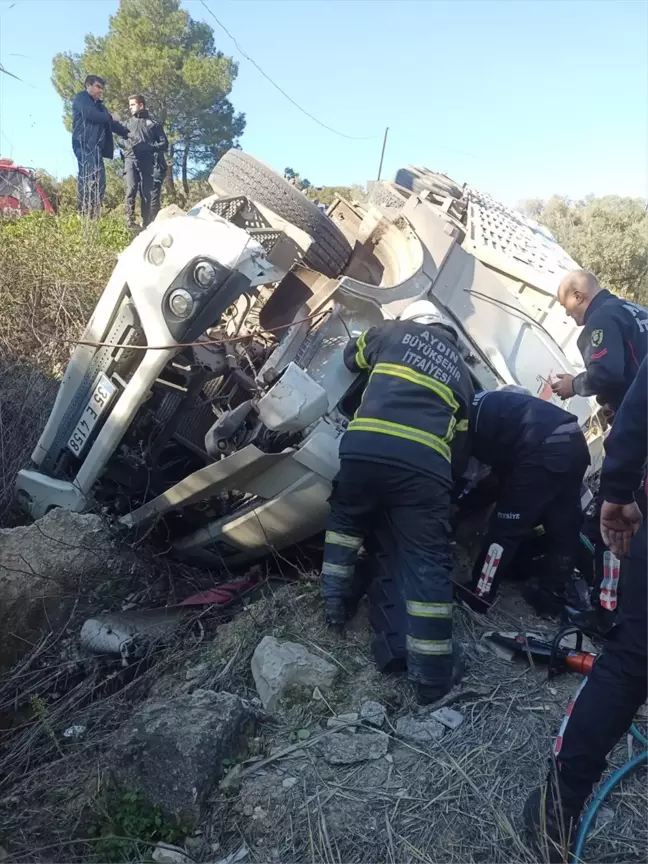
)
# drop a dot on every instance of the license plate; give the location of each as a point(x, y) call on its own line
point(97, 404)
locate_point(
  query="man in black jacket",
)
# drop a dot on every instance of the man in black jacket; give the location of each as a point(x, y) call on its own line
point(92, 142)
point(613, 342)
point(397, 457)
point(145, 166)
point(607, 700)
point(539, 455)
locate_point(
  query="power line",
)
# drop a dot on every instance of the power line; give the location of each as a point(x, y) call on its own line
point(280, 89)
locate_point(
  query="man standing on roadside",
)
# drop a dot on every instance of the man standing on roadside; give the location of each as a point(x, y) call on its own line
point(144, 162)
point(92, 142)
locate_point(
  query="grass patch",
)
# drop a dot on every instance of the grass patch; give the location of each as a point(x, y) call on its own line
point(127, 827)
point(52, 272)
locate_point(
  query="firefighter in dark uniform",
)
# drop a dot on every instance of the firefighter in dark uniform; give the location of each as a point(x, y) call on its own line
point(143, 160)
point(607, 700)
point(539, 456)
point(613, 342)
point(397, 460)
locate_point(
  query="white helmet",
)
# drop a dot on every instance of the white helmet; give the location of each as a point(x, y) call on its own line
point(515, 388)
point(425, 312)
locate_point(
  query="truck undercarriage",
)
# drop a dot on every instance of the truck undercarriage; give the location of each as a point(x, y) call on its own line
point(208, 394)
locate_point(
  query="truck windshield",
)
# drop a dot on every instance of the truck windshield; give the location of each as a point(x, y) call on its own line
point(15, 184)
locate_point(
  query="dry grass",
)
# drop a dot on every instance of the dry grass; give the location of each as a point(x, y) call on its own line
point(52, 270)
point(457, 801)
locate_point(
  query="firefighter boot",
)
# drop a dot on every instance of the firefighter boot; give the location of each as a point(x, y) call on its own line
point(550, 823)
point(560, 592)
point(427, 694)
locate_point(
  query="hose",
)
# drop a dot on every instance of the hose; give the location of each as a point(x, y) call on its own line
point(641, 738)
point(604, 791)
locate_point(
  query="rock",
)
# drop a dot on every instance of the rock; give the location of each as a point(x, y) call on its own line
point(164, 853)
point(74, 731)
point(289, 782)
point(234, 857)
point(373, 713)
point(279, 667)
point(343, 721)
point(198, 671)
point(422, 730)
point(44, 566)
point(172, 751)
point(448, 717)
point(346, 749)
point(197, 847)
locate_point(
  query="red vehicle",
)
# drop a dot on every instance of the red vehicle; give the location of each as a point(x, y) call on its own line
point(19, 191)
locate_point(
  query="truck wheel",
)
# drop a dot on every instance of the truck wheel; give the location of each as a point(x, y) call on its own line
point(388, 195)
point(241, 174)
point(418, 181)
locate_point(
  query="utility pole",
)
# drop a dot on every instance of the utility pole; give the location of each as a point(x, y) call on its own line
point(382, 154)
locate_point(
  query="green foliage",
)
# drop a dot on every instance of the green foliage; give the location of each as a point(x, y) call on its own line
point(128, 826)
point(154, 47)
point(608, 236)
point(62, 194)
point(52, 271)
point(326, 194)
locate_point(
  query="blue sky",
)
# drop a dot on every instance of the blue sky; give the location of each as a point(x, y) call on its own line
point(522, 99)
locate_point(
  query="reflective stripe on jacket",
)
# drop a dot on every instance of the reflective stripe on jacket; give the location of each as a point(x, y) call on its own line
point(416, 400)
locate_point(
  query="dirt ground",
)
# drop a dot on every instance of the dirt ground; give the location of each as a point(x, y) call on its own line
point(455, 800)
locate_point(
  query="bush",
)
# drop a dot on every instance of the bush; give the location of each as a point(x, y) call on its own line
point(52, 271)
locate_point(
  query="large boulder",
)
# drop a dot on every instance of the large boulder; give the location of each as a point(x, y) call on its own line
point(172, 752)
point(281, 667)
point(43, 566)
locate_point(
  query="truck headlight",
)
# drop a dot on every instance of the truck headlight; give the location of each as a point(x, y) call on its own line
point(156, 255)
point(205, 274)
point(181, 303)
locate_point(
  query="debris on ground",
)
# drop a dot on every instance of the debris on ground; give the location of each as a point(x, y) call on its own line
point(341, 749)
point(166, 854)
point(373, 713)
point(346, 767)
point(448, 717)
point(281, 667)
point(419, 729)
point(344, 721)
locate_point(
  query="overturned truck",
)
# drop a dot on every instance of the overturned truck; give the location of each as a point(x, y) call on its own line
point(208, 393)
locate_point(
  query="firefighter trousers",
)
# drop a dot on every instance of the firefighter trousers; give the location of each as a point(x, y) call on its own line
point(415, 508)
point(544, 489)
point(605, 704)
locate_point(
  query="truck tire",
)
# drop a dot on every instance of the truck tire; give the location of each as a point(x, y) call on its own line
point(418, 182)
point(388, 195)
point(241, 174)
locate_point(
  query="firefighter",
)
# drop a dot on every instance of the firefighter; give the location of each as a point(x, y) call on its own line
point(607, 700)
point(398, 457)
point(613, 342)
point(143, 158)
point(539, 456)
